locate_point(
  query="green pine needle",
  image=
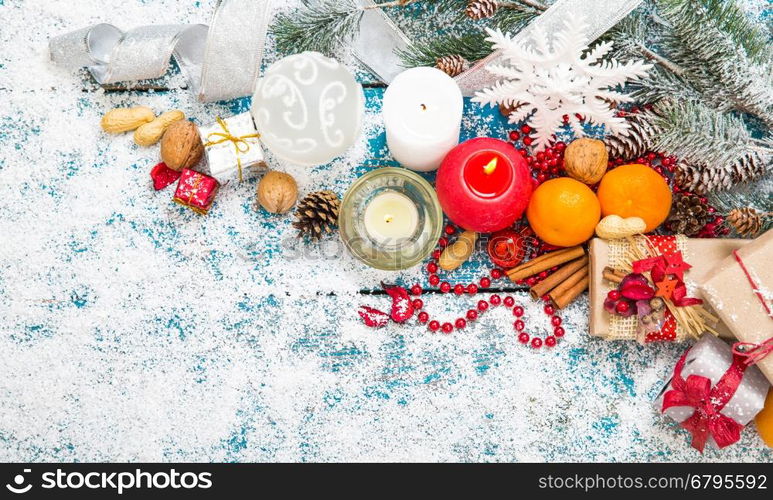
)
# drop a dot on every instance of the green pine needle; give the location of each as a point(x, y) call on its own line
point(324, 26)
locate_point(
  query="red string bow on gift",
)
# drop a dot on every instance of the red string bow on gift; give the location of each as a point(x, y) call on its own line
point(697, 392)
point(753, 353)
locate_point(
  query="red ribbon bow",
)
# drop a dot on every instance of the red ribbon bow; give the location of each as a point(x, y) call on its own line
point(697, 392)
point(753, 353)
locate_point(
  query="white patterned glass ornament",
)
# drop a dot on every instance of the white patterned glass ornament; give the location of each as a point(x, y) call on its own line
point(308, 108)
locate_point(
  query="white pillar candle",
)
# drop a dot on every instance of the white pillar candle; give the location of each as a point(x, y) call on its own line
point(391, 217)
point(422, 115)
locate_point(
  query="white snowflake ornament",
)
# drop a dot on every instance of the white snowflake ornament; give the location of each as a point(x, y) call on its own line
point(545, 80)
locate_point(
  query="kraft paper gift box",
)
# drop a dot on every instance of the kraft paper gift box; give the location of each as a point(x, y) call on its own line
point(713, 393)
point(232, 148)
point(702, 253)
point(730, 289)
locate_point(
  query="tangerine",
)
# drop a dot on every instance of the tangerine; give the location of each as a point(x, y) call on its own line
point(563, 212)
point(635, 190)
point(764, 421)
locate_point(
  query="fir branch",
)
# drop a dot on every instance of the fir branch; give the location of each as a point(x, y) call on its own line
point(471, 47)
point(714, 62)
point(716, 148)
point(744, 32)
point(323, 26)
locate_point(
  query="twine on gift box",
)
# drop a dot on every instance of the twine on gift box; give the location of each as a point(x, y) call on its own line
point(755, 288)
point(753, 353)
point(240, 142)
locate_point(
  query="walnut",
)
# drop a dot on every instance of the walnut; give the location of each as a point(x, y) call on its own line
point(277, 192)
point(586, 160)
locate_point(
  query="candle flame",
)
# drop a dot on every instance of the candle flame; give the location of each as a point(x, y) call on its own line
point(492, 165)
point(388, 219)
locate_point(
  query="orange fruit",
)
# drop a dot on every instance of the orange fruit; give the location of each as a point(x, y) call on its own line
point(635, 191)
point(764, 421)
point(563, 212)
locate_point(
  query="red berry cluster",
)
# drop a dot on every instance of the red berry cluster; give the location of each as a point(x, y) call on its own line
point(482, 305)
point(546, 164)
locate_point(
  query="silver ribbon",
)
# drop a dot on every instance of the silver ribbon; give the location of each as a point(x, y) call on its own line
point(221, 61)
point(600, 16)
point(377, 43)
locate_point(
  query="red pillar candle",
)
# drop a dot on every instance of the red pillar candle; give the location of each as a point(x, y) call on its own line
point(483, 185)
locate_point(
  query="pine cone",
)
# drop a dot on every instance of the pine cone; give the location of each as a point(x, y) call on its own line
point(451, 65)
point(641, 135)
point(481, 9)
point(688, 215)
point(317, 213)
point(746, 221)
point(703, 179)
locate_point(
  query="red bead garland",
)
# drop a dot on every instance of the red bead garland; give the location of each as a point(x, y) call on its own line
point(483, 305)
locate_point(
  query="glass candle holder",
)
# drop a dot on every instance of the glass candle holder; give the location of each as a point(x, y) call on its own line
point(390, 219)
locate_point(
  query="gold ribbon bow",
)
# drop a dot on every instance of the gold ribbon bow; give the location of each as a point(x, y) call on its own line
point(240, 143)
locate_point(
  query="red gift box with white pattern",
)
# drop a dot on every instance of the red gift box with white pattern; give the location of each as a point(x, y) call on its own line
point(196, 191)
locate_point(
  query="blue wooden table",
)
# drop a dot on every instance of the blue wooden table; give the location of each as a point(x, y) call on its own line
point(133, 329)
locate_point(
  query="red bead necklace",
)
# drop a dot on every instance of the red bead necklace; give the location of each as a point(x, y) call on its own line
point(483, 305)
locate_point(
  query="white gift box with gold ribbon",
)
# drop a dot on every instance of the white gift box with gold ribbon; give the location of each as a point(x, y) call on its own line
point(233, 149)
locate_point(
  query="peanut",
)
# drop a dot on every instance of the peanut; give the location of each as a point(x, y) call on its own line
point(613, 227)
point(150, 133)
point(120, 120)
point(457, 253)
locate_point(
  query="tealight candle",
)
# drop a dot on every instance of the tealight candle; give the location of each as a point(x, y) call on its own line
point(391, 217)
point(422, 115)
point(484, 185)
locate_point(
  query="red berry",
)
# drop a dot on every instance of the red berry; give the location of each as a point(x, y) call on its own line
point(527, 141)
point(450, 229)
point(418, 303)
point(472, 314)
point(460, 323)
point(514, 136)
point(496, 273)
point(423, 317)
point(447, 328)
point(555, 321)
point(485, 282)
point(560, 146)
point(436, 254)
point(543, 275)
point(545, 298)
point(416, 289)
point(442, 242)
point(531, 281)
point(495, 300)
point(558, 331)
point(523, 338)
point(434, 325)
point(550, 341)
point(525, 129)
point(519, 325)
point(434, 280)
point(458, 289)
point(613, 295)
point(432, 267)
point(518, 311)
point(445, 287)
point(482, 305)
point(622, 307)
point(541, 177)
point(549, 310)
point(509, 301)
point(541, 156)
point(472, 288)
point(536, 342)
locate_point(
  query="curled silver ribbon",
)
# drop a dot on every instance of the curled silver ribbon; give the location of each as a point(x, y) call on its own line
point(599, 15)
point(221, 61)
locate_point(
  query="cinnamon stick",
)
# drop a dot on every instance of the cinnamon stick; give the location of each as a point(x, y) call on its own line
point(566, 292)
point(612, 275)
point(558, 277)
point(544, 262)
